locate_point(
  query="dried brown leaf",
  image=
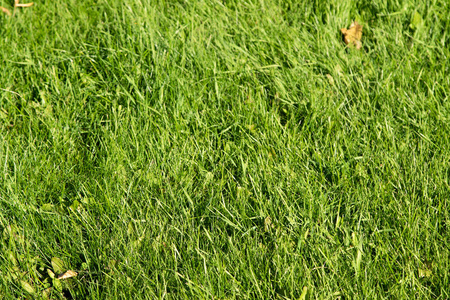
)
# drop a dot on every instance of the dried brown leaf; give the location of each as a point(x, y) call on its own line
point(67, 274)
point(25, 4)
point(17, 4)
point(352, 35)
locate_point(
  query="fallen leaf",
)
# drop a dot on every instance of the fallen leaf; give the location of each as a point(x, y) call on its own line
point(17, 4)
point(67, 274)
point(5, 10)
point(352, 35)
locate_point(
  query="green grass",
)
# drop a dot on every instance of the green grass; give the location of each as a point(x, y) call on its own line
point(225, 150)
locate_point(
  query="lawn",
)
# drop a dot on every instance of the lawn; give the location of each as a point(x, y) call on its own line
point(224, 150)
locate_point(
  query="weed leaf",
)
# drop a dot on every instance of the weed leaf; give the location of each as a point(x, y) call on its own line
point(27, 287)
point(58, 265)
